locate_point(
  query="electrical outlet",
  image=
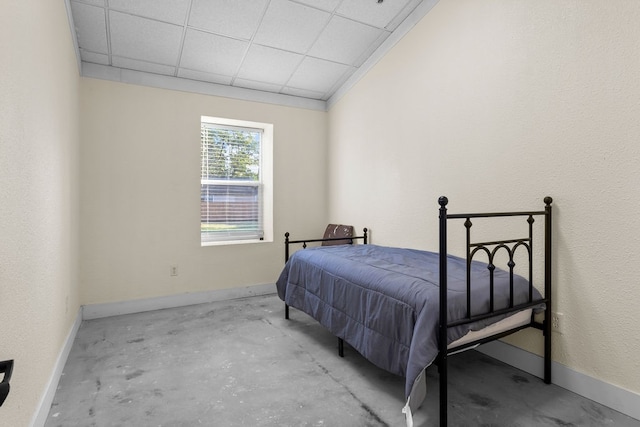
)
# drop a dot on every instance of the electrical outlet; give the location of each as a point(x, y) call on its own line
point(174, 270)
point(557, 322)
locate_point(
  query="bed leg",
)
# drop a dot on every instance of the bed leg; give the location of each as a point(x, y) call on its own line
point(340, 347)
point(442, 370)
point(547, 347)
point(286, 311)
point(547, 360)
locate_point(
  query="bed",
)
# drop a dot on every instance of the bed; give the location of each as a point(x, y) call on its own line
point(404, 309)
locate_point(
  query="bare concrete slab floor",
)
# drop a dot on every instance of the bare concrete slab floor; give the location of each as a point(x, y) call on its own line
point(240, 363)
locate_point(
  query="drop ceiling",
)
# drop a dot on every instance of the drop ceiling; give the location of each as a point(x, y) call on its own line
point(294, 52)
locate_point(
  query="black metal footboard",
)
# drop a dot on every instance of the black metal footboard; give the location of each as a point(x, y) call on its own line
point(490, 248)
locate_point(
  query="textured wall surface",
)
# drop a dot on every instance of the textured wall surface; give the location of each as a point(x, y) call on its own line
point(496, 105)
point(38, 197)
point(140, 213)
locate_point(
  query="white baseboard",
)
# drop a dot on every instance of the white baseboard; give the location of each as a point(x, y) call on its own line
point(96, 311)
point(42, 410)
point(622, 400)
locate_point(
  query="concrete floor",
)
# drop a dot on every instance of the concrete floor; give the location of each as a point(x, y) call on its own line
point(240, 363)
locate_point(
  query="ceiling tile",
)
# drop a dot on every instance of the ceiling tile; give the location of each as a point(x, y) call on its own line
point(174, 11)
point(291, 26)
point(205, 77)
point(91, 27)
point(371, 12)
point(144, 39)
point(318, 75)
point(234, 18)
point(148, 67)
point(344, 40)
point(303, 48)
point(212, 53)
point(328, 5)
point(269, 65)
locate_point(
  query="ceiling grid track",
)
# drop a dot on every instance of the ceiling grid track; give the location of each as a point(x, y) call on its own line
point(184, 35)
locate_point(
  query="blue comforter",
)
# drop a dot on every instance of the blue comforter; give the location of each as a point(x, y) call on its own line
point(384, 301)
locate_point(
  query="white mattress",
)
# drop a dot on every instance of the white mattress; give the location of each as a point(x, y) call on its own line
point(519, 319)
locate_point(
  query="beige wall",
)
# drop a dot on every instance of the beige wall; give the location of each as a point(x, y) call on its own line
point(38, 197)
point(494, 104)
point(497, 104)
point(140, 189)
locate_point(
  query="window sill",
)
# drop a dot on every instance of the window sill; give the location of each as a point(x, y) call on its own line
point(235, 242)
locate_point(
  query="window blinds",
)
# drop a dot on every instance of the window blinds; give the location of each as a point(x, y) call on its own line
point(231, 189)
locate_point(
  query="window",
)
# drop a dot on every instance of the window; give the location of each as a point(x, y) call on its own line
point(235, 181)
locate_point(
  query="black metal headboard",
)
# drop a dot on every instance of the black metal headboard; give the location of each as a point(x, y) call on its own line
point(304, 242)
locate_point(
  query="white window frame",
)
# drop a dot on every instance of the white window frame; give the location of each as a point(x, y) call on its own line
point(266, 177)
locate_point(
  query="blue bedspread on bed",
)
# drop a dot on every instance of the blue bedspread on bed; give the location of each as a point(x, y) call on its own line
point(383, 301)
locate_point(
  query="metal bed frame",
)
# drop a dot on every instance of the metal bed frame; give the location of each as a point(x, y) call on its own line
point(287, 242)
point(490, 248)
point(6, 368)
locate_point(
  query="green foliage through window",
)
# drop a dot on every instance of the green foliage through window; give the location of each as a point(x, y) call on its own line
point(229, 153)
